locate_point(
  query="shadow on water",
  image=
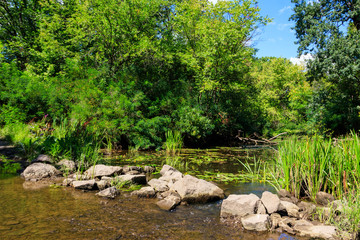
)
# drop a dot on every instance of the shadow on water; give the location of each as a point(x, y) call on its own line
point(29, 211)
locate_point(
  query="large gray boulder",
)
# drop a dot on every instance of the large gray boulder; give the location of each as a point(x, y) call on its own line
point(84, 185)
point(271, 202)
point(110, 192)
point(238, 206)
point(194, 190)
point(135, 179)
point(159, 185)
point(38, 171)
point(256, 222)
point(101, 170)
point(67, 165)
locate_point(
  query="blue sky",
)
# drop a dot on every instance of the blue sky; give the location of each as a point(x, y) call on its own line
point(276, 39)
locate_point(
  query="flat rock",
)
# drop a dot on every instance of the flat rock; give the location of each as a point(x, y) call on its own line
point(320, 231)
point(291, 209)
point(101, 170)
point(237, 206)
point(67, 165)
point(159, 185)
point(324, 198)
point(84, 185)
point(194, 190)
point(271, 202)
point(145, 192)
point(110, 192)
point(37, 171)
point(135, 179)
point(256, 222)
point(169, 203)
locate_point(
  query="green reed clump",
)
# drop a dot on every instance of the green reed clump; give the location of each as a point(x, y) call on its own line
point(173, 142)
point(60, 140)
point(312, 164)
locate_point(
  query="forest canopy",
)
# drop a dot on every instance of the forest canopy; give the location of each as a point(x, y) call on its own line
point(132, 70)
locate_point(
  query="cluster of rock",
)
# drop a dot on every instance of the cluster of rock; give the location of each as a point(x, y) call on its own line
point(172, 188)
point(282, 213)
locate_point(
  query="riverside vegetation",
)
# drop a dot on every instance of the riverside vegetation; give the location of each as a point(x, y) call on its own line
point(78, 78)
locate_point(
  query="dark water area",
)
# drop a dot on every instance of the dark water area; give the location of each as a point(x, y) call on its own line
point(32, 211)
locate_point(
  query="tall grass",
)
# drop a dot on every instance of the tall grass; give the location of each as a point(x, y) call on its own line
point(314, 164)
point(65, 139)
point(174, 141)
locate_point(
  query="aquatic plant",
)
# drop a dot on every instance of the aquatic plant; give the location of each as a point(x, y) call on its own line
point(312, 164)
point(174, 142)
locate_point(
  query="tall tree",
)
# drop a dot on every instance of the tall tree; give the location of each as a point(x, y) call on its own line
point(330, 31)
point(18, 28)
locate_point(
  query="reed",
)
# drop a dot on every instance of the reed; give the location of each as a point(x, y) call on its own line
point(312, 164)
point(174, 142)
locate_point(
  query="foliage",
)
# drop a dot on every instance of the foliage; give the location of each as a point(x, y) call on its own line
point(8, 166)
point(329, 30)
point(316, 164)
point(283, 94)
point(173, 142)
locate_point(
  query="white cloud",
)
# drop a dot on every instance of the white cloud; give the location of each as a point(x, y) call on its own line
point(284, 9)
point(283, 26)
point(213, 1)
point(302, 60)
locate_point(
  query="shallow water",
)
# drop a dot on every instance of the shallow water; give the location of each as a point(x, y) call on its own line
point(29, 212)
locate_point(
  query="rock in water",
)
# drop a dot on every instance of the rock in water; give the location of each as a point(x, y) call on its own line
point(135, 179)
point(84, 185)
point(110, 192)
point(194, 190)
point(271, 202)
point(256, 222)
point(170, 202)
point(159, 185)
point(102, 170)
point(239, 206)
point(38, 171)
point(145, 192)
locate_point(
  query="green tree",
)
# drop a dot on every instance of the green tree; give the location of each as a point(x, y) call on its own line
point(18, 29)
point(330, 31)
